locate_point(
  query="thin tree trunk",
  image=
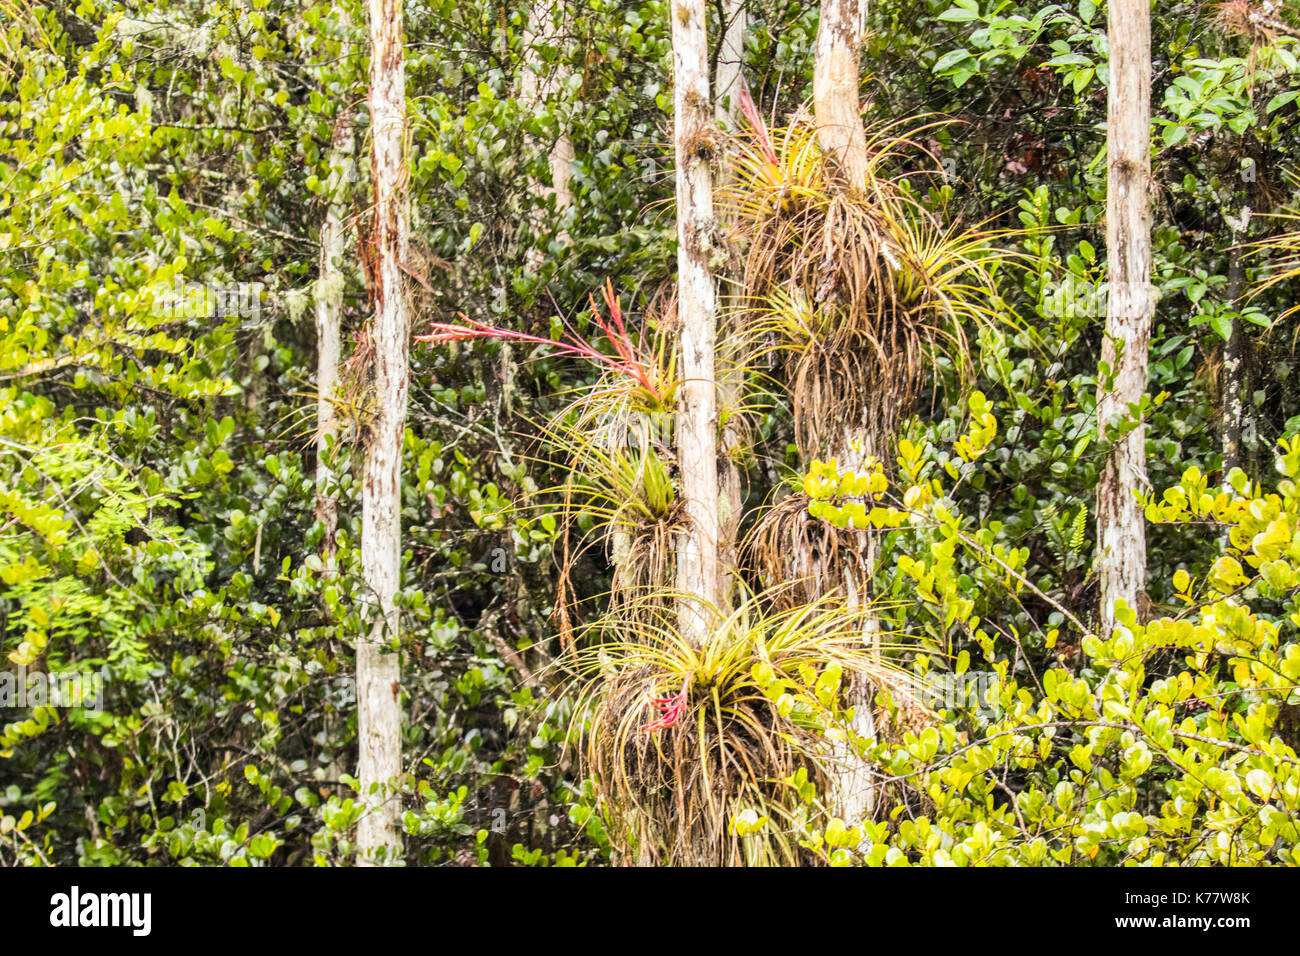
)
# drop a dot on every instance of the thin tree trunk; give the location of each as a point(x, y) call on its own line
point(1232, 389)
point(856, 786)
point(731, 490)
point(836, 80)
point(728, 82)
point(330, 284)
point(379, 719)
point(697, 425)
point(533, 90)
point(1121, 530)
point(837, 112)
point(727, 77)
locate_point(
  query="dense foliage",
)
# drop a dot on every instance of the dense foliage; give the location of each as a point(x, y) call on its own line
point(164, 171)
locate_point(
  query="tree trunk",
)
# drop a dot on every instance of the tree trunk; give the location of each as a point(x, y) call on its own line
point(1121, 530)
point(856, 786)
point(836, 80)
point(727, 77)
point(330, 285)
point(534, 87)
point(697, 425)
point(1232, 385)
point(728, 82)
point(843, 139)
point(379, 723)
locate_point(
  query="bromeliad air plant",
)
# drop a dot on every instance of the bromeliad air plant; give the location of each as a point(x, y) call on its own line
point(863, 289)
point(613, 440)
point(732, 725)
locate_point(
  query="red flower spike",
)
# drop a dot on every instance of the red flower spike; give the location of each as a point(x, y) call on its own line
point(670, 709)
point(629, 361)
point(615, 313)
point(756, 120)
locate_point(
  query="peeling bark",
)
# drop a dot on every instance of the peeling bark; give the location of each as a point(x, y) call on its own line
point(379, 720)
point(697, 418)
point(1121, 528)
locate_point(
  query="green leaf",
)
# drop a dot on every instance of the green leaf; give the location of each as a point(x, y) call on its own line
point(1221, 322)
point(1281, 100)
point(950, 60)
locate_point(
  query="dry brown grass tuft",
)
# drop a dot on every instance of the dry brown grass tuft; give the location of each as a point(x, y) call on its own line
point(795, 555)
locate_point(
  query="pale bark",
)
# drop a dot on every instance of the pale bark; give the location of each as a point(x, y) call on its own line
point(330, 284)
point(379, 725)
point(697, 425)
point(856, 787)
point(837, 113)
point(731, 486)
point(727, 77)
point(534, 87)
point(728, 82)
point(1234, 406)
point(836, 80)
point(1121, 530)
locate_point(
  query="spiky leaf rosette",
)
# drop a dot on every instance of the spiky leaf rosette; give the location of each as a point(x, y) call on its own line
point(863, 288)
point(1283, 265)
point(612, 439)
point(787, 544)
point(686, 744)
